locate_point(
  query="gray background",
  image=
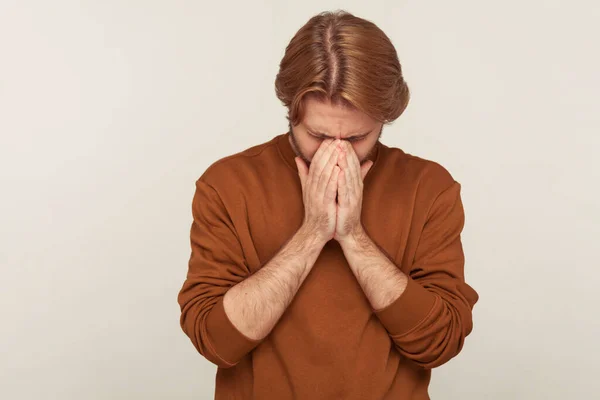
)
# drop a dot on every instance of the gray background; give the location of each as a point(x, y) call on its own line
point(110, 110)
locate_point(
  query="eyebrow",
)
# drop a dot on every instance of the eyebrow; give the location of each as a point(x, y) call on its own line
point(321, 134)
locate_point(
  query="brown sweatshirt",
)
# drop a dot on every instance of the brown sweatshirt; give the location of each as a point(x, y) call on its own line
point(329, 343)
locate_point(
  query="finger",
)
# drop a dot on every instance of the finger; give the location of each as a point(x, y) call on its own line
point(354, 167)
point(323, 159)
point(342, 190)
point(327, 170)
point(353, 160)
point(347, 169)
point(323, 147)
point(313, 165)
point(332, 184)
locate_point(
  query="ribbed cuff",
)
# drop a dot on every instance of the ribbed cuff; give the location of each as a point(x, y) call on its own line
point(408, 310)
point(228, 343)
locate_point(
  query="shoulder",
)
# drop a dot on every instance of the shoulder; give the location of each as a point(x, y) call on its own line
point(429, 184)
point(240, 167)
point(428, 177)
point(438, 193)
point(435, 190)
point(432, 176)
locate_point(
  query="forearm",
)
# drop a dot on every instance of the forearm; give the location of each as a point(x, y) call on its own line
point(255, 304)
point(427, 324)
point(380, 279)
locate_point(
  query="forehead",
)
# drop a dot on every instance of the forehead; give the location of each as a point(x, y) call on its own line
point(325, 116)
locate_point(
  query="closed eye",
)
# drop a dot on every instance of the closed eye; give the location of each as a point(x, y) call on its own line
point(357, 139)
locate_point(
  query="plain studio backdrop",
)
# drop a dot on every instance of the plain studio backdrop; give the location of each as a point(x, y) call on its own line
point(110, 110)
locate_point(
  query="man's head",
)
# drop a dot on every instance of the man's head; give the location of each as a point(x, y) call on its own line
point(340, 77)
point(324, 119)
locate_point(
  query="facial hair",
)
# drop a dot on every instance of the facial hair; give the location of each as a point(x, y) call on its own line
point(296, 147)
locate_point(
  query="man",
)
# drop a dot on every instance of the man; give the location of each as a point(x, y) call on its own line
point(325, 264)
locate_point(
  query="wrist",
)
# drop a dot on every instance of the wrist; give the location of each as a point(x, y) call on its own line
point(353, 239)
point(310, 238)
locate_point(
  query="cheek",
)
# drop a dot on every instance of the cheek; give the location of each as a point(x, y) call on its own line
point(311, 147)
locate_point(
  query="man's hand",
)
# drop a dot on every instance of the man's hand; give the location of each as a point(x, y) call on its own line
point(319, 186)
point(350, 194)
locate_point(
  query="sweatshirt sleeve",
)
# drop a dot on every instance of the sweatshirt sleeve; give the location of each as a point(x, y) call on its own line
point(428, 323)
point(216, 264)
